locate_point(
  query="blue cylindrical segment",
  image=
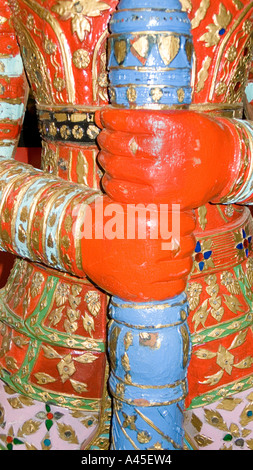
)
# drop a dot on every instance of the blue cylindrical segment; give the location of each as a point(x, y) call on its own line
point(150, 55)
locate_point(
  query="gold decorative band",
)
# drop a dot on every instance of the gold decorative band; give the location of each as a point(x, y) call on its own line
point(68, 125)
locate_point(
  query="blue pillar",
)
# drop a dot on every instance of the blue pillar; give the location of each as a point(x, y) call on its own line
point(150, 59)
point(149, 350)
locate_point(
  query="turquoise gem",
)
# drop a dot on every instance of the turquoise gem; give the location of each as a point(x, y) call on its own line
point(47, 442)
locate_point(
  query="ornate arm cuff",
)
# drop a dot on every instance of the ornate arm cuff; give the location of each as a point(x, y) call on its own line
point(40, 216)
point(13, 86)
point(241, 191)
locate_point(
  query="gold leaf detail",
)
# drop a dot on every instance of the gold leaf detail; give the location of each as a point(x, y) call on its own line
point(86, 358)
point(81, 60)
point(67, 433)
point(79, 387)
point(76, 289)
point(50, 353)
point(186, 5)
point(238, 4)
point(249, 271)
point(214, 418)
point(234, 429)
point(43, 378)
point(203, 440)
point(88, 323)
point(55, 316)
point(221, 21)
point(231, 284)
point(89, 421)
point(200, 13)
point(133, 146)
point(250, 396)
point(21, 234)
point(93, 302)
point(202, 211)
point(30, 446)
point(129, 421)
point(37, 281)
point(29, 427)
point(201, 315)
point(217, 314)
point(70, 327)
point(246, 417)
point(141, 46)
point(128, 339)
point(233, 303)
point(193, 294)
point(156, 94)
point(250, 444)
point(131, 94)
point(239, 339)
point(15, 403)
point(144, 437)
point(168, 47)
point(27, 401)
point(120, 51)
point(225, 359)
point(196, 422)
point(52, 220)
point(120, 390)
point(125, 362)
point(213, 379)
point(50, 241)
point(215, 302)
point(82, 169)
point(202, 77)
point(66, 367)
point(73, 314)
point(246, 432)
point(186, 344)
point(245, 363)
point(180, 95)
point(68, 222)
point(11, 362)
point(19, 341)
point(229, 404)
point(77, 12)
point(205, 354)
point(62, 293)
point(92, 131)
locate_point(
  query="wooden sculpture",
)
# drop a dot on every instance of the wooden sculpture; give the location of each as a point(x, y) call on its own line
point(186, 156)
point(69, 314)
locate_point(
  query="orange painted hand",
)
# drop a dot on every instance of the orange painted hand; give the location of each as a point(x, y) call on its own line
point(136, 254)
point(177, 157)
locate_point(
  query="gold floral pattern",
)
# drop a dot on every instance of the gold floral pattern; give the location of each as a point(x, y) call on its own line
point(217, 28)
point(227, 425)
point(78, 11)
point(81, 58)
point(44, 426)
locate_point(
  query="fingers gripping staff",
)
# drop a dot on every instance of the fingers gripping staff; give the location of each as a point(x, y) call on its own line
point(149, 71)
point(154, 150)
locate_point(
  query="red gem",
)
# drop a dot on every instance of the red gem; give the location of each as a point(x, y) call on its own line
point(245, 243)
point(237, 86)
point(50, 415)
point(199, 257)
point(9, 439)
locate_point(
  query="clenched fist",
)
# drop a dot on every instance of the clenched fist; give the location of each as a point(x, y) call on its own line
point(178, 156)
point(128, 255)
